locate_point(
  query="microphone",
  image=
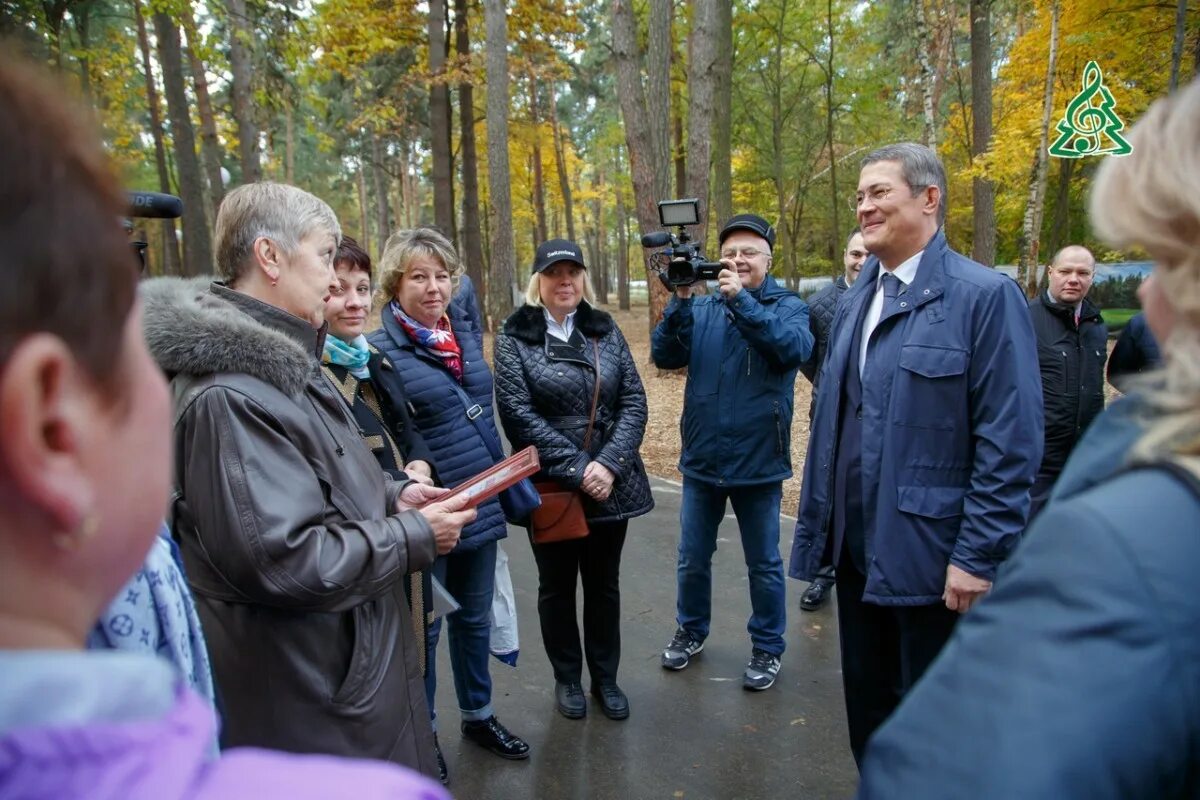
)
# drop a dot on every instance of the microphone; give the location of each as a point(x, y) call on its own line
point(154, 205)
point(656, 239)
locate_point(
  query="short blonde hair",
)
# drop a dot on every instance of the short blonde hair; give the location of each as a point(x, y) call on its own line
point(276, 211)
point(533, 290)
point(405, 245)
point(1149, 198)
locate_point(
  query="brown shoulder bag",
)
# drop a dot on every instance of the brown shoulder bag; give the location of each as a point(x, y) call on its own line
point(560, 516)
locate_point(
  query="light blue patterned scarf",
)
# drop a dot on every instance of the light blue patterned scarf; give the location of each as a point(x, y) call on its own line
point(352, 355)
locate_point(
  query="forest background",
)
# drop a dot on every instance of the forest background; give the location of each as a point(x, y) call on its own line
point(505, 124)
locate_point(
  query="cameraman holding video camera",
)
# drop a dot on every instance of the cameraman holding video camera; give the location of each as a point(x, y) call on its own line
point(742, 348)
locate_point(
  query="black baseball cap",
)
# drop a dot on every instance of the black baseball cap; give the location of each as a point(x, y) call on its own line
point(551, 252)
point(749, 222)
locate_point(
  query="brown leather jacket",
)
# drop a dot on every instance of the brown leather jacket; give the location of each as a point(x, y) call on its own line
point(284, 518)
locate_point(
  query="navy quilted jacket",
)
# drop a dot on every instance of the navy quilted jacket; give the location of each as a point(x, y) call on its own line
point(544, 391)
point(459, 451)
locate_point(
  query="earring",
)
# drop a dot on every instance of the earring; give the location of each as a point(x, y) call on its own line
point(87, 529)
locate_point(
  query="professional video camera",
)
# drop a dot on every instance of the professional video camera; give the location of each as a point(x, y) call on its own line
point(150, 205)
point(680, 261)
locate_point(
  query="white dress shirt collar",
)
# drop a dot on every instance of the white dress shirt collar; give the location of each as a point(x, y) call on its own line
point(560, 331)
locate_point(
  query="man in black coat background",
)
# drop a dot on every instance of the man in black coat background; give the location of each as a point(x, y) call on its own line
point(821, 305)
point(1072, 348)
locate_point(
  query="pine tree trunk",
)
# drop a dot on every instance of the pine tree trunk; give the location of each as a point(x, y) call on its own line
point(648, 163)
point(1061, 224)
point(983, 246)
point(1031, 225)
point(82, 15)
point(659, 49)
point(197, 246)
point(835, 241)
point(560, 157)
point(171, 262)
point(539, 179)
point(289, 143)
point(210, 144)
point(1181, 7)
point(622, 252)
point(702, 84)
point(472, 242)
point(439, 128)
point(364, 214)
point(241, 38)
point(600, 282)
point(383, 219)
point(501, 272)
point(722, 157)
point(927, 75)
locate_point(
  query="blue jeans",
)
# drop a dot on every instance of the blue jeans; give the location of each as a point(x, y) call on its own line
point(757, 511)
point(470, 577)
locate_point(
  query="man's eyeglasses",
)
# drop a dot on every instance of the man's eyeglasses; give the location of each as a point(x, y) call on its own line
point(877, 195)
point(747, 252)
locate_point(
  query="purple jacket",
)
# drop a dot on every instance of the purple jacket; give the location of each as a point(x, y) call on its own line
point(168, 758)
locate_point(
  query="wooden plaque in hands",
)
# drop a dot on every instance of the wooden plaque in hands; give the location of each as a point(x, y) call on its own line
point(495, 479)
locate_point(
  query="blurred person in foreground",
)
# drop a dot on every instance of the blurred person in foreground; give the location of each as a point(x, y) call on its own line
point(296, 543)
point(1079, 675)
point(822, 305)
point(85, 466)
point(547, 357)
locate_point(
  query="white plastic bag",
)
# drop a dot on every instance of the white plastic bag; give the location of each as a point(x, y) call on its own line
point(504, 644)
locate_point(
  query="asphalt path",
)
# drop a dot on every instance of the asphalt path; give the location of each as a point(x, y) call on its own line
point(695, 734)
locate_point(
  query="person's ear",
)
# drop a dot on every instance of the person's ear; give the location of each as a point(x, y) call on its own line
point(933, 198)
point(266, 258)
point(48, 406)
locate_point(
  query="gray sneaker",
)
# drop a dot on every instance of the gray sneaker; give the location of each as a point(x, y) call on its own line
point(681, 649)
point(760, 673)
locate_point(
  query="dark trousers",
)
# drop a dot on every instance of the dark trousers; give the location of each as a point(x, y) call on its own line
point(596, 559)
point(885, 650)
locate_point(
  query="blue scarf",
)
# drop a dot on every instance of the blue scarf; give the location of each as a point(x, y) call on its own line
point(352, 355)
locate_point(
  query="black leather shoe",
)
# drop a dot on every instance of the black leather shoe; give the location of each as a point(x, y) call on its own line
point(572, 703)
point(815, 595)
point(443, 773)
point(491, 735)
point(613, 701)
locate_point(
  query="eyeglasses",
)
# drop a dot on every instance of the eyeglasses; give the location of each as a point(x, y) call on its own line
point(877, 195)
point(747, 252)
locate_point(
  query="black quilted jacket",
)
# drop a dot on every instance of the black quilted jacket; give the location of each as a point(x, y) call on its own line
point(544, 389)
point(821, 305)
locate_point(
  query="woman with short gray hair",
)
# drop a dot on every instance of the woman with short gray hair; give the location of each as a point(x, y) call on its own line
point(296, 543)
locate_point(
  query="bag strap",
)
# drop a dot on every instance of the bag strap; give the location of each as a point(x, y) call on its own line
point(587, 437)
point(475, 414)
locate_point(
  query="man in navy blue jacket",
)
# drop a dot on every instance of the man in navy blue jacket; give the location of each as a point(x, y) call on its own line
point(926, 438)
point(742, 347)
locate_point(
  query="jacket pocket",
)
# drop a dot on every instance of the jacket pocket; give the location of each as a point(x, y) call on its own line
point(930, 386)
point(935, 502)
point(370, 653)
point(1052, 363)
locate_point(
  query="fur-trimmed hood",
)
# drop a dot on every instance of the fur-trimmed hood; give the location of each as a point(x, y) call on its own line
point(528, 323)
point(198, 327)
